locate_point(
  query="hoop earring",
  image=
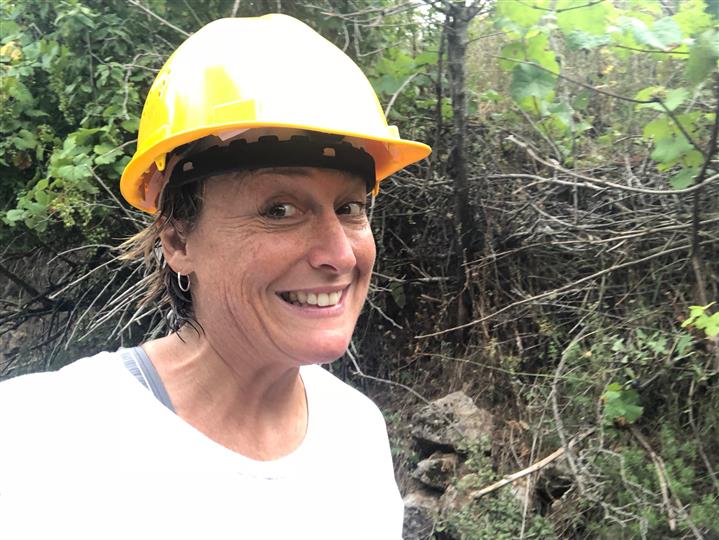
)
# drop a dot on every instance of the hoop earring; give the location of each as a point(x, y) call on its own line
point(186, 288)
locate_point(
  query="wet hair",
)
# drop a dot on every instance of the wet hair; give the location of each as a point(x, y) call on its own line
point(180, 207)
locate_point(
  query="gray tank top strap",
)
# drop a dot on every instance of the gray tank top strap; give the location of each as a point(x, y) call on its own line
point(140, 366)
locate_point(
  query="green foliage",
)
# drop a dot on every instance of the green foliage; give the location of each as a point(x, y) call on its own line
point(699, 319)
point(703, 57)
point(75, 80)
point(621, 405)
point(541, 43)
point(495, 516)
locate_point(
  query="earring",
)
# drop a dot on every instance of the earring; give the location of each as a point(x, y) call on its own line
point(186, 288)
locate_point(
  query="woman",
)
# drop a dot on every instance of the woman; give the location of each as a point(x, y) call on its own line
point(258, 143)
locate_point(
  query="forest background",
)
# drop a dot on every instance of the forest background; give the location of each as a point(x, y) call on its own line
point(555, 258)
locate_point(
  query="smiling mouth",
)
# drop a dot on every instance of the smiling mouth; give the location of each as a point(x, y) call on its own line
point(301, 298)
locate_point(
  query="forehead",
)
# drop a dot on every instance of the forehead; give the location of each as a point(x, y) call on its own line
point(295, 179)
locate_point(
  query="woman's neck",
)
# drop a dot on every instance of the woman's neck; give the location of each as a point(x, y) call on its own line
point(259, 411)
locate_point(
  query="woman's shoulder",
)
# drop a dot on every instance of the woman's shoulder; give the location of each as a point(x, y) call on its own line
point(45, 391)
point(338, 397)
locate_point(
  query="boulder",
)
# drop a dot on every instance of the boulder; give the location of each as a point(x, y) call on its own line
point(420, 515)
point(451, 423)
point(437, 471)
point(458, 496)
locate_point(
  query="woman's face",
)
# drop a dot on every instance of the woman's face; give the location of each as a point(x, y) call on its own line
point(280, 262)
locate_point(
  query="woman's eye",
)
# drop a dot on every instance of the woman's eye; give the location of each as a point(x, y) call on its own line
point(352, 209)
point(280, 210)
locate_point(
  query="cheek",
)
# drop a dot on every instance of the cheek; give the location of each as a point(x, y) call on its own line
point(222, 261)
point(365, 252)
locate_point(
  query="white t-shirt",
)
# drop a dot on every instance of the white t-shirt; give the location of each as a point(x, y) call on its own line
point(88, 452)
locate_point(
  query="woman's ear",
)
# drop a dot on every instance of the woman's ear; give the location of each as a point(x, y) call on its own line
point(173, 238)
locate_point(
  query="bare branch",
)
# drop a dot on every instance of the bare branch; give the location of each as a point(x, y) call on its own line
point(605, 183)
point(564, 288)
point(137, 4)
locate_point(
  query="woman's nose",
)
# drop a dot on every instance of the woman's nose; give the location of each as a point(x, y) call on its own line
point(331, 249)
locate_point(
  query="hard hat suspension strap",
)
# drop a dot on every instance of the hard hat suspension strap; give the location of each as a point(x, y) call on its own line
point(269, 151)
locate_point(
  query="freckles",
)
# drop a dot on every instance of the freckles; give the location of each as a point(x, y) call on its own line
point(364, 247)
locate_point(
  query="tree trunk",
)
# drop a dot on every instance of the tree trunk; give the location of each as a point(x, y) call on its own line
point(469, 239)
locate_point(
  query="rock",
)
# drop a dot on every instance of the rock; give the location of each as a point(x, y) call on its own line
point(458, 497)
point(437, 471)
point(451, 422)
point(420, 515)
point(552, 483)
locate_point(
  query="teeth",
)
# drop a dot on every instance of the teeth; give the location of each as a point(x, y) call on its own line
point(313, 299)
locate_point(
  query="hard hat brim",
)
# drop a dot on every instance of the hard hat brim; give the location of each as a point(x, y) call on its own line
point(390, 155)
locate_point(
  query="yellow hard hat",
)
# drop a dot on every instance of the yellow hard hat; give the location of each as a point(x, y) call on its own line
point(259, 72)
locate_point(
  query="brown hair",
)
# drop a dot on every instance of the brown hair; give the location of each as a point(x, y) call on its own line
point(178, 205)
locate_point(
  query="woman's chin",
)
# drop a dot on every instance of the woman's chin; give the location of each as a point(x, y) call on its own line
point(323, 351)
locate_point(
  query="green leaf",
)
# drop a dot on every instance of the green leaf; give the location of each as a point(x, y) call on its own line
point(24, 140)
point(710, 324)
point(581, 99)
point(70, 143)
point(693, 159)
point(683, 344)
point(671, 98)
point(103, 148)
point(663, 33)
point(42, 197)
point(691, 17)
point(531, 81)
point(621, 406)
point(19, 91)
point(513, 50)
point(658, 128)
point(130, 125)
point(684, 178)
point(591, 19)
point(658, 345)
point(562, 112)
point(83, 135)
point(675, 98)
point(538, 50)
point(670, 149)
point(34, 113)
point(490, 95)
point(74, 173)
point(7, 30)
point(517, 12)
point(425, 58)
point(109, 155)
point(579, 40)
point(650, 92)
point(666, 32)
point(15, 215)
point(703, 57)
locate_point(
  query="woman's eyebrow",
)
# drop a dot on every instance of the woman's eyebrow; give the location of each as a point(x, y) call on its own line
point(285, 171)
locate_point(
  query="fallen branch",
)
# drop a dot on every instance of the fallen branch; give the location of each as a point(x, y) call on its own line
point(529, 470)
